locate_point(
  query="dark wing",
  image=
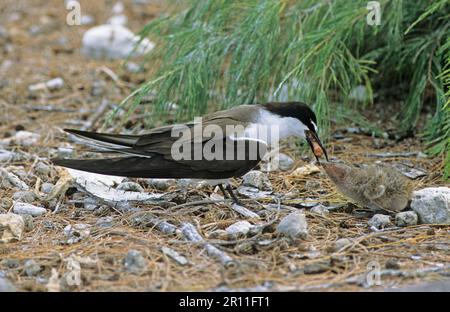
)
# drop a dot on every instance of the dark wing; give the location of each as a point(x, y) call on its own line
point(242, 159)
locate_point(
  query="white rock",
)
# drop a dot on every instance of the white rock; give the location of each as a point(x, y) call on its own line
point(294, 225)
point(6, 285)
point(24, 196)
point(9, 178)
point(113, 42)
point(406, 218)
point(53, 84)
point(320, 209)
point(432, 205)
point(379, 221)
point(22, 138)
point(28, 209)
point(257, 179)
point(12, 226)
point(239, 228)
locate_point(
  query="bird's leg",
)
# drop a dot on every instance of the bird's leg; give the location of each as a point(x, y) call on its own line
point(233, 196)
point(225, 195)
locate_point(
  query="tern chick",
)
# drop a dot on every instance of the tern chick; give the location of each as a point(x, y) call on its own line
point(375, 187)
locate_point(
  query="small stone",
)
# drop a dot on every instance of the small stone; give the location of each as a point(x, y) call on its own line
point(406, 218)
point(90, 203)
point(130, 187)
point(379, 221)
point(105, 222)
point(22, 138)
point(134, 262)
point(113, 42)
point(76, 232)
point(24, 196)
point(316, 268)
point(12, 227)
point(342, 243)
point(320, 209)
point(28, 209)
point(31, 268)
point(52, 84)
point(6, 285)
point(239, 228)
point(245, 248)
point(257, 179)
point(432, 205)
point(305, 170)
point(294, 225)
point(47, 188)
point(42, 169)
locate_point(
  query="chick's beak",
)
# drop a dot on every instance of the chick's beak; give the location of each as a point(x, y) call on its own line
point(315, 144)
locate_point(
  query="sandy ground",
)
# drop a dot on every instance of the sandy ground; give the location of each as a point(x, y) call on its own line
point(41, 47)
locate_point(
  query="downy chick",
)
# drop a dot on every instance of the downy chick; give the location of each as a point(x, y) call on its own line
point(375, 187)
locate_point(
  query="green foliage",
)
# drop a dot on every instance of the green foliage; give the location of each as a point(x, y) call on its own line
point(218, 53)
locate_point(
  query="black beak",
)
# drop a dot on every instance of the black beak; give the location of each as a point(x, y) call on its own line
point(315, 144)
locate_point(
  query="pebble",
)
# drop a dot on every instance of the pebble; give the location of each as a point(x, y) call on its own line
point(24, 196)
point(47, 187)
point(22, 138)
point(239, 228)
point(52, 85)
point(28, 209)
point(320, 209)
point(42, 169)
point(12, 226)
point(130, 187)
point(8, 179)
point(113, 42)
point(90, 203)
point(380, 221)
point(133, 67)
point(294, 225)
point(6, 285)
point(134, 262)
point(31, 268)
point(432, 205)
point(406, 218)
point(257, 179)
